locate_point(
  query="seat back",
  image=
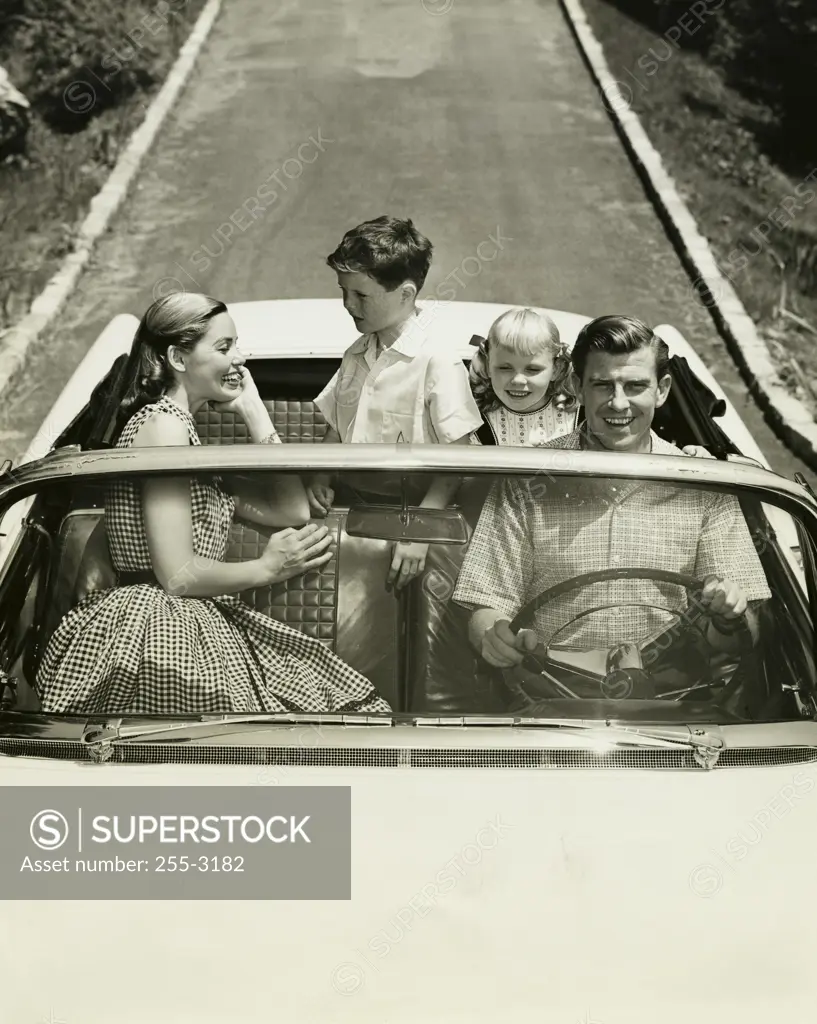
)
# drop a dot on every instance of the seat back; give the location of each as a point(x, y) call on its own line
point(445, 673)
point(343, 604)
point(299, 422)
point(81, 565)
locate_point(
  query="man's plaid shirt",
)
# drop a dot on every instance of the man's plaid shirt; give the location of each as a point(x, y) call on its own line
point(533, 534)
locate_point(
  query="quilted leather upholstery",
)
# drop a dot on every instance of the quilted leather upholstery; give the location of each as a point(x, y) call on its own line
point(307, 602)
point(298, 422)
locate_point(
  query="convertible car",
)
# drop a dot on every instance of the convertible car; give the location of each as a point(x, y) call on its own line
point(626, 781)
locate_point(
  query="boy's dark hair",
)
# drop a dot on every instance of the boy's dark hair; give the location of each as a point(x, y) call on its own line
point(618, 335)
point(387, 249)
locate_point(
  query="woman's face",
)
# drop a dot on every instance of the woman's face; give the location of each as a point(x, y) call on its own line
point(212, 370)
point(520, 381)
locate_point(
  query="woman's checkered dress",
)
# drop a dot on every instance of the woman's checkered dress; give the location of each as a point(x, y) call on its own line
point(139, 650)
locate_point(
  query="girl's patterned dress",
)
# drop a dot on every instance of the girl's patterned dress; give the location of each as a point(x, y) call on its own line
point(137, 649)
point(502, 426)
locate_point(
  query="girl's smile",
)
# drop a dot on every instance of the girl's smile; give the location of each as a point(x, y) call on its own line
point(520, 381)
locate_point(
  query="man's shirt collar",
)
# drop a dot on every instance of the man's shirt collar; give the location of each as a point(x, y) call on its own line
point(575, 439)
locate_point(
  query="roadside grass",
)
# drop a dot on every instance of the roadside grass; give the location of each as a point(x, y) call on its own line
point(760, 221)
point(45, 194)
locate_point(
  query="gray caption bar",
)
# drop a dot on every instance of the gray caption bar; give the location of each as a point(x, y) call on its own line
point(191, 842)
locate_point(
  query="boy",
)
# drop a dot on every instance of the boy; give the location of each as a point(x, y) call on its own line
point(392, 386)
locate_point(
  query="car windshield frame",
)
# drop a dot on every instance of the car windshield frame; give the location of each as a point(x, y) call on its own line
point(409, 458)
point(22, 482)
point(95, 466)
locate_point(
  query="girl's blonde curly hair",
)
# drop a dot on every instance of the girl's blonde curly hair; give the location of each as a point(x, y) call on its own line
point(527, 332)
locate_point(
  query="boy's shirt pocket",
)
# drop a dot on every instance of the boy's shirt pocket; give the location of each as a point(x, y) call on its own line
point(400, 428)
point(410, 397)
point(391, 404)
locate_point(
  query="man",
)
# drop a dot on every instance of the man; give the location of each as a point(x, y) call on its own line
point(526, 542)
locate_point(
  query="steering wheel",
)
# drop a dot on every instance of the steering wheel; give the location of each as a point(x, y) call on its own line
point(624, 674)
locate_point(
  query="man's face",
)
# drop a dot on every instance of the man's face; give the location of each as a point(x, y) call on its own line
point(371, 307)
point(620, 394)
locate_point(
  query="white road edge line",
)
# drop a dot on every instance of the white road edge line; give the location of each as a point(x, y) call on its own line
point(789, 418)
point(16, 341)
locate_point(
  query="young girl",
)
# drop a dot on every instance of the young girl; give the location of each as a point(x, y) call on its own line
point(174, 637)
point(521, 381)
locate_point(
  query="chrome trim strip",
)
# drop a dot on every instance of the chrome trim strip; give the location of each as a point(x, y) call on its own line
point(402, 457)
point(489, 731)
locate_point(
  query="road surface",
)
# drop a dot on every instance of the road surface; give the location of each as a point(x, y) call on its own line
point(304, 117)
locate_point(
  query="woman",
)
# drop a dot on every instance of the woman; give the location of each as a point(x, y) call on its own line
point(173, 637)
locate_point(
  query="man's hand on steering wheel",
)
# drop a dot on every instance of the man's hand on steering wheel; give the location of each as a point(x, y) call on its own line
point(502, 648)
point(722, 600)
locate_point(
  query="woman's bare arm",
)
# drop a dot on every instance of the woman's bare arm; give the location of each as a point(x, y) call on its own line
point(169, 529)
point(168, 519)
point(282, 501)
point(274, 502)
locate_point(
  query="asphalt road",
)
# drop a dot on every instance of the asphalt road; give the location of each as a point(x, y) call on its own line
point(304, 117)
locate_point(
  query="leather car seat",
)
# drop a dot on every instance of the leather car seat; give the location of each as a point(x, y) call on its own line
point(344, 603)
point(446, 675)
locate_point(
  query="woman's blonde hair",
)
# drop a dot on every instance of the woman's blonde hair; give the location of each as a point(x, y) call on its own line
point(527, 332)
point(180, 319)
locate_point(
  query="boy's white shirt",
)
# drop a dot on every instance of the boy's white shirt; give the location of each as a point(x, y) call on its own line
point(409, 392)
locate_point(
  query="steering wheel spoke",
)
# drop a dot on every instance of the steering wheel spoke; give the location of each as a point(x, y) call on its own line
point(617, 672)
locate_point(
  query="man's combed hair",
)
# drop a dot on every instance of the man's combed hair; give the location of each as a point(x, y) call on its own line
point(387, 249)
point(618, 335)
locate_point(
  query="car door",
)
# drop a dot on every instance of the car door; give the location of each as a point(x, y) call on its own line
point(23, 589)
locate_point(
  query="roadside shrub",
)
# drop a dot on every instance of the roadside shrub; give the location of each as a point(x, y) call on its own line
point(769, 52)
point(765, 49)
point(693, 25)
point(87, 67)
point(86, 56)
point(10, 11)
